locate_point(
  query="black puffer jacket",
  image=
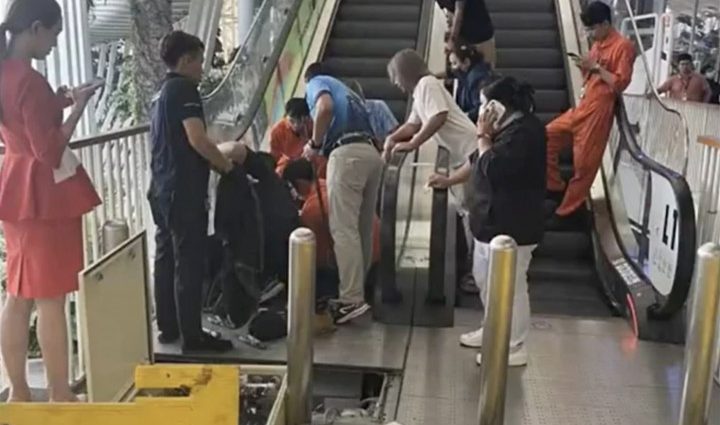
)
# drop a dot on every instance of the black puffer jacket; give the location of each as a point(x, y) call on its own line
point(508, 184)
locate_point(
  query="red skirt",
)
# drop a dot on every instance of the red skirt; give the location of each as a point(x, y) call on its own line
point(44, 257)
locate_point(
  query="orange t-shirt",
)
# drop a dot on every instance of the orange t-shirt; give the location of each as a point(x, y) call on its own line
point(311, 216)
point(286, 146)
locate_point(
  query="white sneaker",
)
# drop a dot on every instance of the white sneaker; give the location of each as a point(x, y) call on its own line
point(472, 339)
point(518, 357)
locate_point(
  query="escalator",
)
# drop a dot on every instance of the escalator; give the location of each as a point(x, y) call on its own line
point(562, 276)
point(364, 36)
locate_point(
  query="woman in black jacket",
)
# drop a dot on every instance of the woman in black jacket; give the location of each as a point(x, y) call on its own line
point(507, 181)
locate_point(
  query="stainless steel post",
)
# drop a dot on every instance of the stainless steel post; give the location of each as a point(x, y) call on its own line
point(300, 319)
point(496, 336)
point(115, 232)
point(700, 347)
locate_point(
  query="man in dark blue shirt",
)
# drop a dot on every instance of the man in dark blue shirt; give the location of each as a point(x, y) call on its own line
point(342, 132)
point(182, 155)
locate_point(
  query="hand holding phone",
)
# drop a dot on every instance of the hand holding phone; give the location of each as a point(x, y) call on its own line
point(489, 117)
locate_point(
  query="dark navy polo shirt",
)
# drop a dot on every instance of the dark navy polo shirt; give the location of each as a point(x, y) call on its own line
point(179, 173)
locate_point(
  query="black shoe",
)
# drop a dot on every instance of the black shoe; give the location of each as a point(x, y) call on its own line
point(168, 337)
point(344, 312)
point(208, 342)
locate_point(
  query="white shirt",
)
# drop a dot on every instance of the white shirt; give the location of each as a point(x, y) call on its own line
point(458, 134)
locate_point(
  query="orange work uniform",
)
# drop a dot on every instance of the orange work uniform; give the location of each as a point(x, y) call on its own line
point(286, 146)
point(311, 216)
point(587, 127)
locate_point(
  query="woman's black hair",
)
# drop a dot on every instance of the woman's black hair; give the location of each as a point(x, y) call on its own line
point(468, 52)
point(22, 14)
point(515, 95)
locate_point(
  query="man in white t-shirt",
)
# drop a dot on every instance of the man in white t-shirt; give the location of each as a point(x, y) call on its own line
point(434, 114)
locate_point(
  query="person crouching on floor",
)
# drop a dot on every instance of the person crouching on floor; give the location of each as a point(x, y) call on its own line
point(507, 191)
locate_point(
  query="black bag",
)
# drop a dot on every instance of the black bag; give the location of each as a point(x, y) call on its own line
point(268, 325)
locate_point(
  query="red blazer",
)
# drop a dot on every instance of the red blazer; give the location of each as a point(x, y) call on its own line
point(30, 125)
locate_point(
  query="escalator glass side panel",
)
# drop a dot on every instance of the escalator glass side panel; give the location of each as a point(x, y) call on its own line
point(264, 72)
point(654, 218)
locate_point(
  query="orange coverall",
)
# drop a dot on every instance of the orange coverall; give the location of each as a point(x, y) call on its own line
point(587, 127)
point(286, 146)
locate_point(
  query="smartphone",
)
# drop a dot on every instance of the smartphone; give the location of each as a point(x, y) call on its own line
point(499, 110)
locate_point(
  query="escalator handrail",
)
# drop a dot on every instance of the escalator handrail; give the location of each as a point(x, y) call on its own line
point(675, 300)
point(391, 255)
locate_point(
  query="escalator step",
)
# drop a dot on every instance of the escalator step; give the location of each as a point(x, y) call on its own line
point(565, 245)
point(540, 38)
point(357, 67)
point(530, 58)
point(551, 269)
point(379, 88)
point(551, 100)
point(367, 48)
point(546, 117)
point(520, 5)
point(540, 78)
point(372, 30)
point(398, 108)
point(544, 290)
point(386, 13)
point(520, 21)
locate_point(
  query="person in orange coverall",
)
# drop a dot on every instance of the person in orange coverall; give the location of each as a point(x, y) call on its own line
point(313, 215)
point(607, 71)
point(289, 136)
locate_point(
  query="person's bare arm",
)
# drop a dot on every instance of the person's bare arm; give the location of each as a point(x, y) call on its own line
point(428, 129)
point(458, 17)
point(199, 140)
point(404, 132)
point(323, 118)
point(461, 175)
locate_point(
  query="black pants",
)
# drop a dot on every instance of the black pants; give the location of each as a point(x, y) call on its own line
point(180, 258)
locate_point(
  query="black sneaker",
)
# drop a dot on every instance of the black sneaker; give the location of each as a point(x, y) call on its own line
point(343, 312)
point(208, 342)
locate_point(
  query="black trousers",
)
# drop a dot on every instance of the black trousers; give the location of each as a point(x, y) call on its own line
point(180, 259)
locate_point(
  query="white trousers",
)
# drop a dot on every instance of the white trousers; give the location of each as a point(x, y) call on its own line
point(354, 174)
point(521, 301)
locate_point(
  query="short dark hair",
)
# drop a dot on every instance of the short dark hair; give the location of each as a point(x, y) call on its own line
point(513, 94)
point(178, 44)
point(297, 108)
point(313, 70)
point(299, 169)
point(596, 13)
point(684, 57)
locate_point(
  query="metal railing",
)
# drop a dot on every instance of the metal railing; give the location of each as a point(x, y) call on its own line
point(707, 188)
point(118, 162)
point(700, 350)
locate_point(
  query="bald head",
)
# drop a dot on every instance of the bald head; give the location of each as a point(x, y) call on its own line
point(406, 68)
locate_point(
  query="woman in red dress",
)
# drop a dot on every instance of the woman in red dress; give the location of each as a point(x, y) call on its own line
point(41, 212)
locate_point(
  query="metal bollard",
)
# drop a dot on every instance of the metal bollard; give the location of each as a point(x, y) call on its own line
point(115, 232)
point(497, 327)
point(701, 344)
point(300, 332)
